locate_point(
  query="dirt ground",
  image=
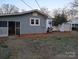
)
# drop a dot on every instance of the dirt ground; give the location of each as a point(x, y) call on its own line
point(55, 45)
point(53, 34)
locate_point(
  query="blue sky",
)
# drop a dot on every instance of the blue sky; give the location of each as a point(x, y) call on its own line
point(50, 4)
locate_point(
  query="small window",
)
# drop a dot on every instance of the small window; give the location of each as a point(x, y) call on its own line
point(3, 23)
point(35, 21)
point(76, 24)
point(32, 21)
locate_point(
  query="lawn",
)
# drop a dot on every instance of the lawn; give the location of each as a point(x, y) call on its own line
point(50, 46)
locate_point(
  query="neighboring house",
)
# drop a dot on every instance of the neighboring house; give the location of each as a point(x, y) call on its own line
point(74, 22)
point(49, 22)
point(29, 22)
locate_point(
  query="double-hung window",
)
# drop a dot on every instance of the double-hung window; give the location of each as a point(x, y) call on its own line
point(34, 21)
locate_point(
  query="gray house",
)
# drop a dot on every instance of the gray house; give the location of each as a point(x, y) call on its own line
point(29, 22)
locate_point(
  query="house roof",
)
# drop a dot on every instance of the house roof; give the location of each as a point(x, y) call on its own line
point(26, 12)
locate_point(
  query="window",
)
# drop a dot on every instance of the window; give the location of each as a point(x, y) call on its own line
point(34, 21)
point(37, 21)
point(75, 25)
point(17, 24)
point(3, 23)
point(17, 28)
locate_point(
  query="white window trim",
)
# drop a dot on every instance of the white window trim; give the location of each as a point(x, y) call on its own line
point(35, 22)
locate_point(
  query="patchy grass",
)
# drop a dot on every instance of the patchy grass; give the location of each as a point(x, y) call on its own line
point(47, 48)
point(64, 42)
point(50, 46)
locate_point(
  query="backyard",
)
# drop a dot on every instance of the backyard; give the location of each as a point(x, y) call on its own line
point(55, 45)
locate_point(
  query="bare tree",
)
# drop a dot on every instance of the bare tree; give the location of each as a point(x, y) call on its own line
point(74, 8)
point(70, 12)
point(74, 3)
point(56, 12)
point(45, 10)
point(8, 9)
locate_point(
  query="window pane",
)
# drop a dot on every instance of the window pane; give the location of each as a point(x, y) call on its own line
point(3, 23)
point(37, 21)
point(32, 21)
point(17, 24)
point(17, 28)
point(76, 25)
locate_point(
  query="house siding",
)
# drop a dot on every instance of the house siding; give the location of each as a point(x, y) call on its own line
point(25, 27)
point(33, 29)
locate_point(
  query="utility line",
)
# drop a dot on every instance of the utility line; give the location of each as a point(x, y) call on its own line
point(26, 4)
point(38, 4)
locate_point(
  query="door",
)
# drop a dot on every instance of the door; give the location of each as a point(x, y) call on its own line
point(11, 28)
